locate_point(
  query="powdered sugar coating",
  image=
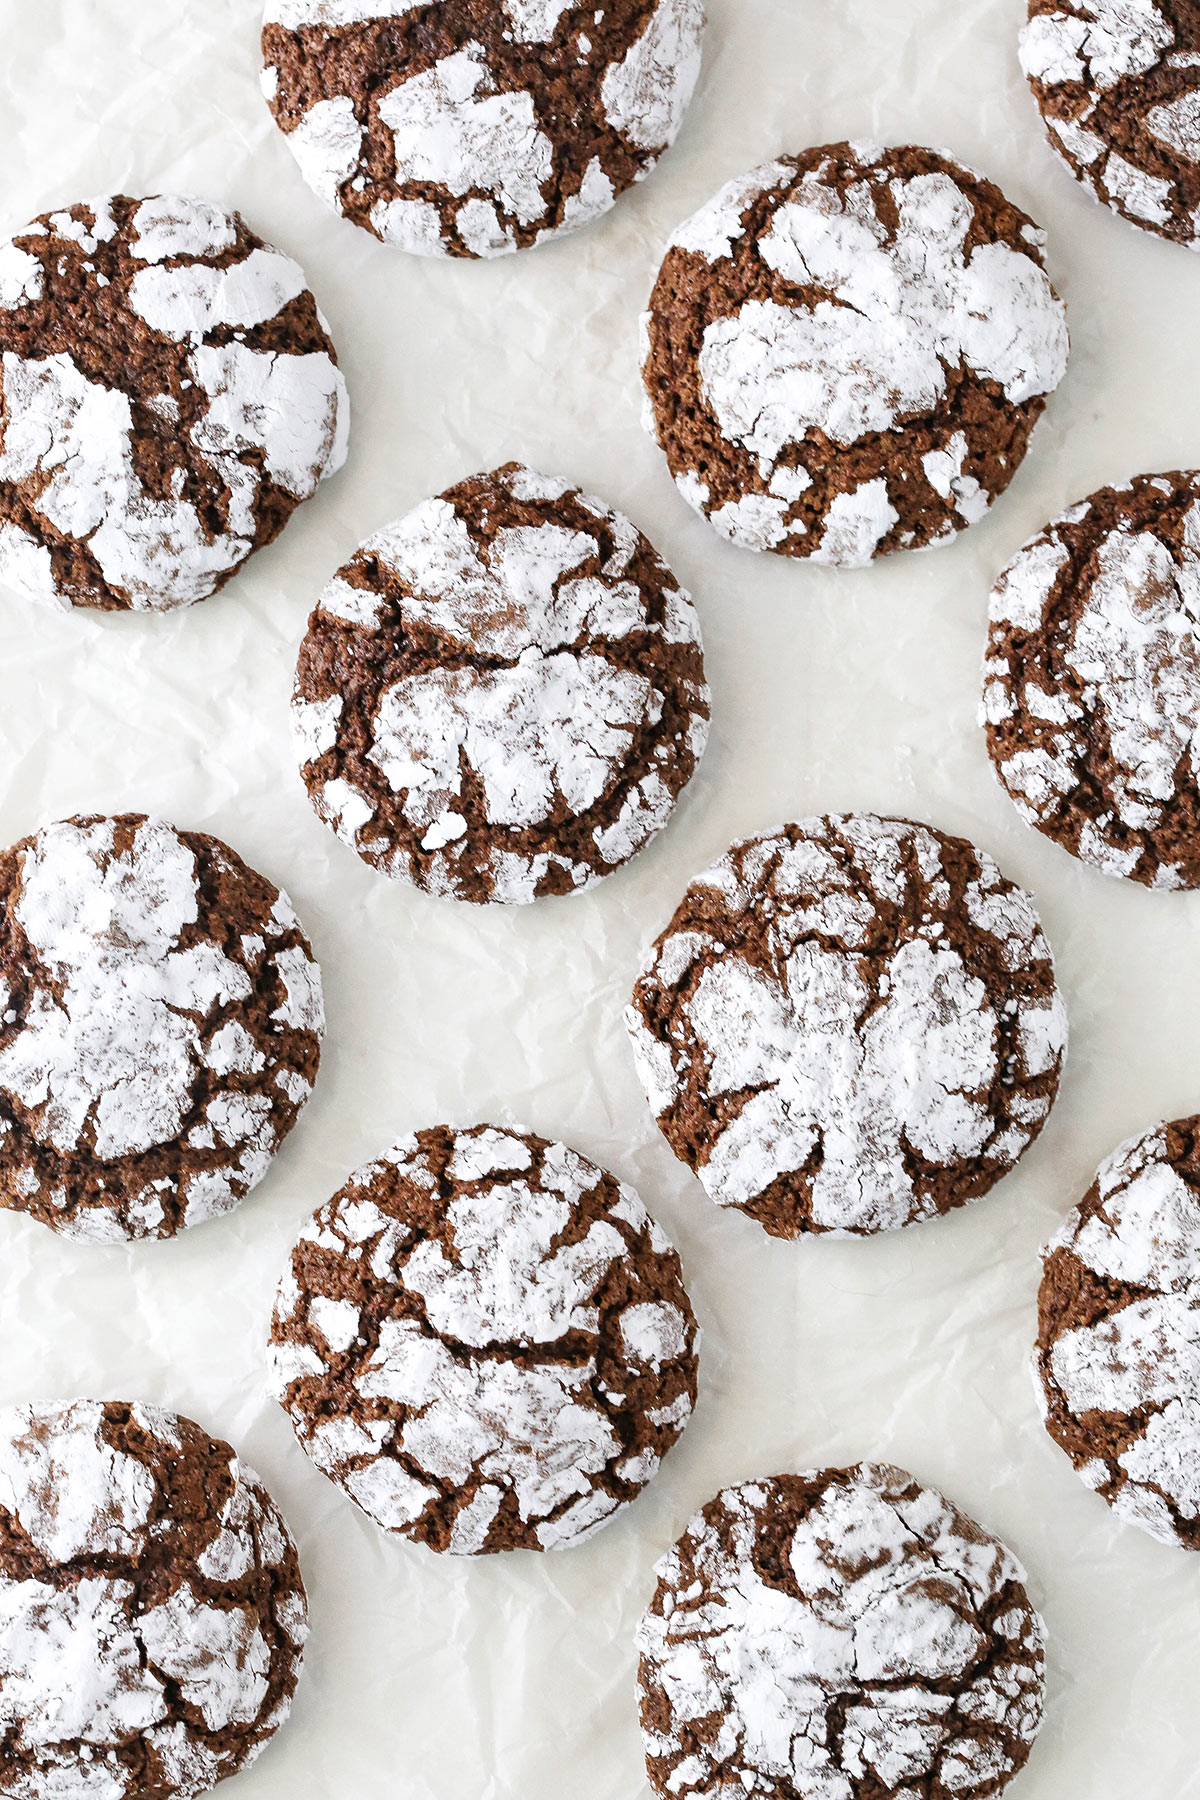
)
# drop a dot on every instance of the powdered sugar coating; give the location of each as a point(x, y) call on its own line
point(1119, 1338)
point(838, 1633)
point(466, 135)
point(849, 1025)
point(535, 700)
point(150, 1062)
point(1091, 694)
point(147, 1578)
point(485, 1341)
point(1118, 83)
point(826, 315)
point(207, 390)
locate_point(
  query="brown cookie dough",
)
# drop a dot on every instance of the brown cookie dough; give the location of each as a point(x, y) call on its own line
point(850, 1025)
point(485, 1340)
point(843, 1634)
point(468, 129)
point(846, 352)
point(168, 396)
point(502, 695)
point(1091, 697)
point(1118, 84)
point(160, 1027)
point(152, 1615)
point(1119, 1333)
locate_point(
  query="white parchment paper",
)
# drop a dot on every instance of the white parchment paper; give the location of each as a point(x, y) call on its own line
point(512, 1679)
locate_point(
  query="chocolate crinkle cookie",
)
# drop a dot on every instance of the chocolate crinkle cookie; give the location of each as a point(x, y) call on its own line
point(168, 396)
point(1118, 84)
point(476, 127)
point(850, 1024)
point(1091, 697)
point(846, 351)
point(160, 1027)
point(152, 1615)
point(502, 695)
point(1118, 1329)
point(843, 1634)
point(485, 1341)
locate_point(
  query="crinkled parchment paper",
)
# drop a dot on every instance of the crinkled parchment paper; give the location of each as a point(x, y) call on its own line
point(512, 1679)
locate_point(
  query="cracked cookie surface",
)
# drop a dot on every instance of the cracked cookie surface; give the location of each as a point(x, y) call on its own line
point(451, 128)
point(168, 397)
point(485, 1341)
point(1118, 1349)
point(1118, 84)
point(842, 1634)
point(152, 1613)
point(850, 1025)
point(502, 695)
point(1091, 698)
point(160, 1027)
point(846, 351)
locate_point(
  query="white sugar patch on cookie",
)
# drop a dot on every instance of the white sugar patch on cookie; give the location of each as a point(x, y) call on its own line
point(1098, 42)
point(911, 303)
point(175, 225)
point(646, 94)
point(445, 130)
point(295, 14)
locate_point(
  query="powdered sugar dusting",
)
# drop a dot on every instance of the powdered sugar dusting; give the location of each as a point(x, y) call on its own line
point(1138, 1358)
point(646, 94)
point(448, 1421)
point(826, 1065)
point(874, 1656)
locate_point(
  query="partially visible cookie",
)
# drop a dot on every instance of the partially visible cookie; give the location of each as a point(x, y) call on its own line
point(152, 1614)
point(468, 129)
point(1118, 1349)
point(847, 350)
point(1091, 696)
point(502, 695)
point(1118, 84)
point(849, 1025)
point(843, 1634)
point(160, 1027)
point(485, 1341)
point(168, 397)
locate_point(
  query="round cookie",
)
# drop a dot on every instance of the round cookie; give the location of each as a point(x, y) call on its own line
point(850, 1024)
point(168, 396)
point(160, 1027)
point(1118, 1327)
point(485, 1341)
point(843, 1634)
point(1091, 697)
point(846, 351)
point(152, 1615)
point(502, 695)
point(1118, 85)
point(477, 127)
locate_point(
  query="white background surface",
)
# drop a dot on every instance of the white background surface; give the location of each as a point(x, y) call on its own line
point(512, 1679)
